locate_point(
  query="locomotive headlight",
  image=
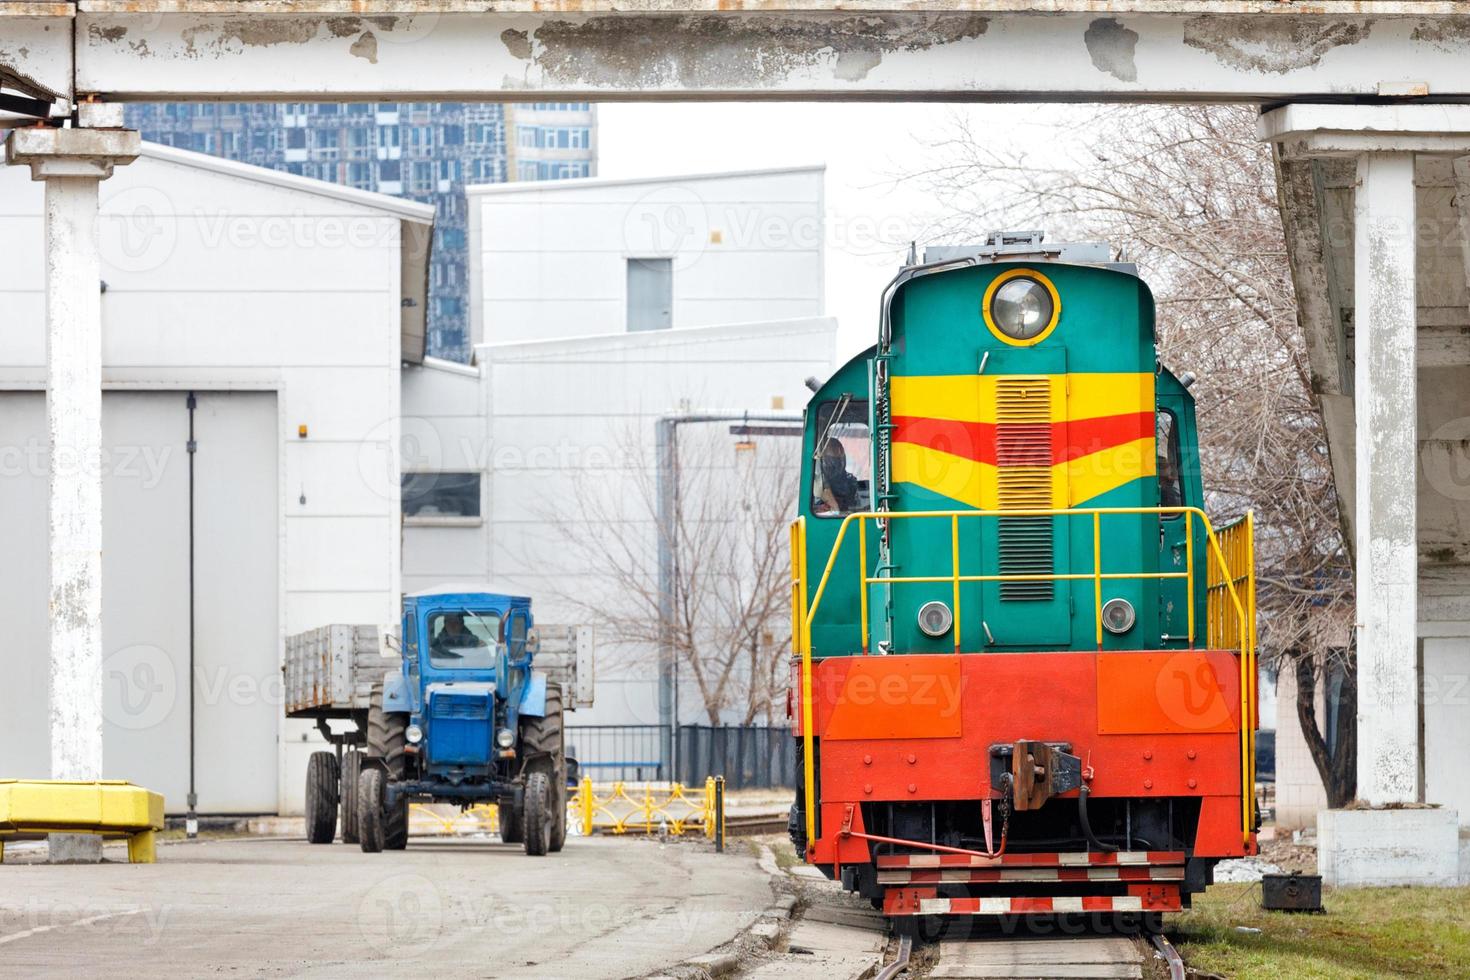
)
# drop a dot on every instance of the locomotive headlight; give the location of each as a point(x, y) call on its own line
point(414, 734)
point(935, 619)
point(1021, 307)
point(505, 738)
point(1118, 615)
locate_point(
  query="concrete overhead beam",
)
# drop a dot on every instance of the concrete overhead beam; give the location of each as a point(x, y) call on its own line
point(1307, 131)
point(1001, 50)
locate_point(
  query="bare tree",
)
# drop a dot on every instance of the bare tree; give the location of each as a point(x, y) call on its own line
point(726, 616)
point(1189, 194)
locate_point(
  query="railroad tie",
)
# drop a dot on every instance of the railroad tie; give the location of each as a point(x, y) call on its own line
point(1080, 958)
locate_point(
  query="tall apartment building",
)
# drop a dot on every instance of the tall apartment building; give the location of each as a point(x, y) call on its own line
point(423, 151)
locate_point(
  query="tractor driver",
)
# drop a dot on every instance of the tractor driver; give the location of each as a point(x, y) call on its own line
point(453, 637)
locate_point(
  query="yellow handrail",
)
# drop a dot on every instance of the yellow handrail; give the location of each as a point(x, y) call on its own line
point(1232, 573)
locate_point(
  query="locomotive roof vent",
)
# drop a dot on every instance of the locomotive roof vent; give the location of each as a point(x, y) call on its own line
point(1009, 246)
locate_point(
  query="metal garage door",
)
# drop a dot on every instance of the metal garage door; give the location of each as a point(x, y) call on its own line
point(145, 609)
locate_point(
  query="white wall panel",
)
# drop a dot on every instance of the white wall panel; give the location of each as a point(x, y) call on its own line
point(553, 257)
point(339, 553)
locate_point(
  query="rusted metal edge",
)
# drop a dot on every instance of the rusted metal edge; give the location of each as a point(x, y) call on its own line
point(1285, 8)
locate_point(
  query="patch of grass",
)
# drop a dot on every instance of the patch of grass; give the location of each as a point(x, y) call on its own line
point(786, 857)
point(1366, 932)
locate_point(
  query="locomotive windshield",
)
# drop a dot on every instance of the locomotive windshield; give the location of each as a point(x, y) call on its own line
point(463, 640)
point(841, 461)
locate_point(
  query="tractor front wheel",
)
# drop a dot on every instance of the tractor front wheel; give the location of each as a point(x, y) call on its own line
point(370, 832)
point(321, 797)
point(511, 819)
point(537, 817)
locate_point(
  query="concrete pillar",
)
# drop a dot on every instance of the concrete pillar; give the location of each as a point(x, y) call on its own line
point(72, 162)
point(1385, 383)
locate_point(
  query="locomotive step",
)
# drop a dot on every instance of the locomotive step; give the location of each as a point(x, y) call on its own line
point(1051, 859)
point(933, 876)
point(925, 901)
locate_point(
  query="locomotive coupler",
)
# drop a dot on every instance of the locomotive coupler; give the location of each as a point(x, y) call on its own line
point(1037, 770)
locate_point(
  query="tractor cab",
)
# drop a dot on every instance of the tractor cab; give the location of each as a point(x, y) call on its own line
point(465, 681)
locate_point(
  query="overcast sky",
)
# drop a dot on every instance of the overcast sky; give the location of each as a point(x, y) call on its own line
point(871, 217)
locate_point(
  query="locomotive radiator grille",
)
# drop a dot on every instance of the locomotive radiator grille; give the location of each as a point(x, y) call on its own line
point(1023, 458)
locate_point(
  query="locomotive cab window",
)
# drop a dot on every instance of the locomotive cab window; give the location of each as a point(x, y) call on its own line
point(1166, 443)
point(841, 460)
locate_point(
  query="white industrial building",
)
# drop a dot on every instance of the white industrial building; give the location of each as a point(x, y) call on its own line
point(574, 258)
point(600, 306)
point(285, 306)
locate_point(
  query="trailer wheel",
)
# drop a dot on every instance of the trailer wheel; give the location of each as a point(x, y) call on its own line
point(321, 797)
point(351, 770)
point(370, 810)
point(387, 751)
point(538, 817)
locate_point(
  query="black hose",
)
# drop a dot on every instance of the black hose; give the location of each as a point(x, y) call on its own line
point(1082, 795)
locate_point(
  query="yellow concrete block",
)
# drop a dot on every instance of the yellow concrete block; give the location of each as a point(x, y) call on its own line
point(111, 807)
point(141, 848)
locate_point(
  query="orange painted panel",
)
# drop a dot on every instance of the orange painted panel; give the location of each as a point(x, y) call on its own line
point(896, 697)
point(1167, 692)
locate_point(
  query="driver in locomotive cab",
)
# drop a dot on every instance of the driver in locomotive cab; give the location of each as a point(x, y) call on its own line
point(836, 488)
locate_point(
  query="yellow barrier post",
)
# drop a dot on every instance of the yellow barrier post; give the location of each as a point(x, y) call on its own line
point(709, 807)
point(585, 792)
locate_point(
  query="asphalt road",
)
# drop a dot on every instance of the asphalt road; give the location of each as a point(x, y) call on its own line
point(603, 907)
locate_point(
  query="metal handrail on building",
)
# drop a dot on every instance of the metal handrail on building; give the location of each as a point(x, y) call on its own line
point(1230, 589)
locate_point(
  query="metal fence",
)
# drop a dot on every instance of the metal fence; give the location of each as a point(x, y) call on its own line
point(609, 753)
point(747, 756)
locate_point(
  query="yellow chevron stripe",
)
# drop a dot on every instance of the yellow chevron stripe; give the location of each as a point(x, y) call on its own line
point(971, 397)
point(977, 484)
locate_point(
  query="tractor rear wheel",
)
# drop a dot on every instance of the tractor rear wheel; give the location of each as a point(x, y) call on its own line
point(387, 745)
point(538, 817)
point(370, 834)
point(321, 797)
point(543, 746)
point(351, 769)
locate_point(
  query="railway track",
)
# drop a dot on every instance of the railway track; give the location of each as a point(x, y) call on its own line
point(837, 938)
point(754, 824)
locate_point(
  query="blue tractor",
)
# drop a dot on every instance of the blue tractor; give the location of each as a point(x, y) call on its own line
point(461, 717)
point(466, 719)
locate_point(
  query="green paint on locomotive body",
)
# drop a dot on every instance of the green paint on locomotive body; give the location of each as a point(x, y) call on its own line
point(941, 351)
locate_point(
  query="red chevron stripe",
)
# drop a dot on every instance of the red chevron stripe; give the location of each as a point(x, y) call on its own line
point(977, 440)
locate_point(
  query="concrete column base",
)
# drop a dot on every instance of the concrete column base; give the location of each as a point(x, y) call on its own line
point(73, 848)
point(1418, 846)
